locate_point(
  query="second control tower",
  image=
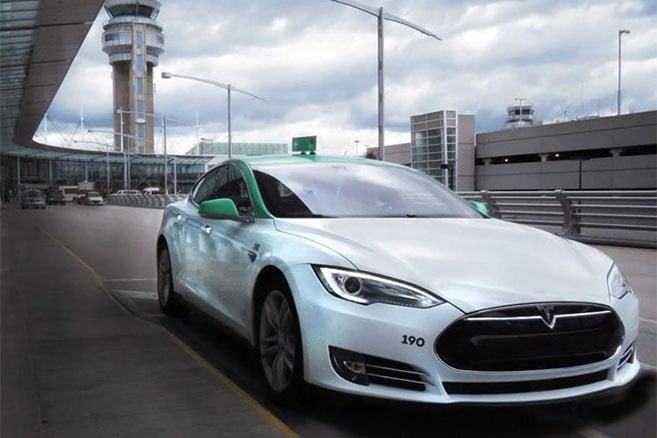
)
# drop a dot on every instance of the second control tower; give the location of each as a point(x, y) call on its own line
point(133, 40)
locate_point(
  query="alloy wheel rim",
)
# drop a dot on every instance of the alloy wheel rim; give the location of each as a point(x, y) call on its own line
point(278, 341)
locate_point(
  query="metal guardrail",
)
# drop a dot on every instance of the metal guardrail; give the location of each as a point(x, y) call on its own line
point(145, 201)
point(627, 217)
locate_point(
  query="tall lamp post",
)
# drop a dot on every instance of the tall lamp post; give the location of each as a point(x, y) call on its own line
point(227, 87)
point(380, 16)
point(620, 34)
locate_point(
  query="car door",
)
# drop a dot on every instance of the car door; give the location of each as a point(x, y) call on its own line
point(193, 244)
point(226, 268)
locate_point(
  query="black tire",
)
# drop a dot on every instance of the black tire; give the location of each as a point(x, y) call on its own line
point(165, 293)
point(279, 345)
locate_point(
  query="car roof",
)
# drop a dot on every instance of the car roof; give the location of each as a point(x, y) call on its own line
point(310, 159)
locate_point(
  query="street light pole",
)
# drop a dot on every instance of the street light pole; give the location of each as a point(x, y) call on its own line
point(164, 143)
point(381, 97)
point(175, 176)
point(227, 87)
point(230, 135)
point(380, 16)
point(620, 33)
point(125, 160)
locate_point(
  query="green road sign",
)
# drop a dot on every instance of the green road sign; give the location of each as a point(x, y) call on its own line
point(304, 144)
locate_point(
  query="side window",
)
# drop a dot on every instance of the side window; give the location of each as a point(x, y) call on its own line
point(235, 188)
point(209, 185)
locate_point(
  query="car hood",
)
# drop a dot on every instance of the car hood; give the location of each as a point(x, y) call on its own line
point(472, 263)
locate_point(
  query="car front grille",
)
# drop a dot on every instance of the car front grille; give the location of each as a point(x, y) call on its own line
point(531, 337)
point(486, 388)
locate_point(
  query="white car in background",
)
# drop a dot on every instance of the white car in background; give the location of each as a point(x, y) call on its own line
point(371, 278)
point(93, 198)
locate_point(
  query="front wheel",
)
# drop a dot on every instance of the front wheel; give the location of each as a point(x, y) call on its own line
point(279, 346)
point(165, 294)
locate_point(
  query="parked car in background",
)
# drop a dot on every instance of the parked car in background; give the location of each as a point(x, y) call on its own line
point(151, 191)
point(33, 199)
point(55, 196)
point(70, 192)
point(127, 192)
point(93, 198)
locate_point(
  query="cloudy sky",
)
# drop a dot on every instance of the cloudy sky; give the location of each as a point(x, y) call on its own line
point(315, 63)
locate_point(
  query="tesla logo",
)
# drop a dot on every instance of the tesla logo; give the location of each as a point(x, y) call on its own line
point(547, 315)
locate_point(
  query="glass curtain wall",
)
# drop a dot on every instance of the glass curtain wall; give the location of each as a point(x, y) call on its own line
point(433, 145)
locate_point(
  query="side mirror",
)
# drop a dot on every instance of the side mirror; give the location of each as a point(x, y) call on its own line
point(480, 207)
point(222, 208)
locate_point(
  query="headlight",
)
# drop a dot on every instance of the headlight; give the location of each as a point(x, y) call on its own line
point(367, 289)
point(617, 284)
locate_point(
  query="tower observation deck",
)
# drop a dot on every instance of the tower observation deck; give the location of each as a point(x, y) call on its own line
point(133, 41)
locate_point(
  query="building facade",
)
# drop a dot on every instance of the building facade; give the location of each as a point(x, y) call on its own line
point(442, 146)
point(133, 41)
point(601, 153)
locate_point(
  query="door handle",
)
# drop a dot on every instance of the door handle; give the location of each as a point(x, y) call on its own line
point(207, 229)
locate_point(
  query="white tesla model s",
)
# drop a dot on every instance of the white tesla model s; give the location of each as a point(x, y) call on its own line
point(372, 278)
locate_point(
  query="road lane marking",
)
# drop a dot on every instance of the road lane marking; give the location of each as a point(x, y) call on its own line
point(245, 397)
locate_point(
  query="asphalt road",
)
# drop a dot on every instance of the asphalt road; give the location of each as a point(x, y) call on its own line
point(117, 243)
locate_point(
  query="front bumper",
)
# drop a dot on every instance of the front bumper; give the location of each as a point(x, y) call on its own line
point(382, 333)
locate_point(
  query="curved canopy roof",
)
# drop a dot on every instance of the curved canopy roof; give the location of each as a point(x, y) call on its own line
point(39, 40)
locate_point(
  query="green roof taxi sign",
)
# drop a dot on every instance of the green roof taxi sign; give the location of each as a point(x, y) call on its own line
point(305, 144)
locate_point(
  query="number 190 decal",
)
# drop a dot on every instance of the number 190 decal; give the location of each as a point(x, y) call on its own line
point(412, 340)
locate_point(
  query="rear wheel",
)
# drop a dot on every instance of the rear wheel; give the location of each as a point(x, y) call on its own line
point(165, 294)
point(279, 346)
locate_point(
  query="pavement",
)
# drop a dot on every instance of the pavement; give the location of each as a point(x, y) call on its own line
point(76, 363)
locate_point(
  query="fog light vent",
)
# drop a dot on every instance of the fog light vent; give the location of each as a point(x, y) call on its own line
point(349, 365)
point(363, 369)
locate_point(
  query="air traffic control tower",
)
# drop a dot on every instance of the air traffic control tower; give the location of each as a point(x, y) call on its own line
point(133, 40)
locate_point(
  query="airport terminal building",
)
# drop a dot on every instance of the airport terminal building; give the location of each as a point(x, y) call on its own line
point(599, 153)
point(602, 153)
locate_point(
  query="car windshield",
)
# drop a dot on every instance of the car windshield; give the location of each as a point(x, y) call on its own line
point(93, 194)
point(32, 194)
point(335, 189)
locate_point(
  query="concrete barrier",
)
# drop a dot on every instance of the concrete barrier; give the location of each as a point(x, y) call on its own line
point(144, 201)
